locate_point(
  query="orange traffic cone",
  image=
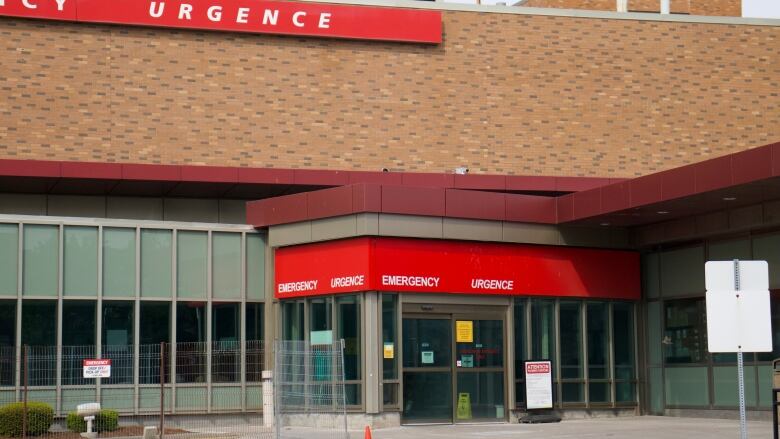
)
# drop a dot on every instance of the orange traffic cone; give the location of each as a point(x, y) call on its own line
point(367, 435)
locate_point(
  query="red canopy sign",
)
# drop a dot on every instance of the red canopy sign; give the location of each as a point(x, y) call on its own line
point(432, 266)
point(268, 17)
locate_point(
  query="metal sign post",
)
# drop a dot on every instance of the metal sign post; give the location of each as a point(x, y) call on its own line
point(738, 314)
point(740, 367)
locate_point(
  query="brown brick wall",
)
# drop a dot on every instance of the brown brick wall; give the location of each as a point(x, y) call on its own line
point(504, 93)
point(728, 8)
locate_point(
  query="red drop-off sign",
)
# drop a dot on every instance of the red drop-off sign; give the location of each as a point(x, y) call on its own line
point(96, 368)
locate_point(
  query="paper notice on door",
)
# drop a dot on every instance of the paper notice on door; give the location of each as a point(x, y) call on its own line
point(427, 357)
point(467, 360)
point(389, 351)
point(464, 331)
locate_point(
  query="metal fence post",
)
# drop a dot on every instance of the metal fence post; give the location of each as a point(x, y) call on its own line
point(162, 390)
point(26, 378)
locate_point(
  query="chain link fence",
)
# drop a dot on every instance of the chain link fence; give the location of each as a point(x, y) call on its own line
point(181, 390)
point(309, 396)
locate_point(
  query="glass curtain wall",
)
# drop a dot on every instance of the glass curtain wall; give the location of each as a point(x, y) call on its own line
point(591, 345)
point(120, 284)
point(681, 373)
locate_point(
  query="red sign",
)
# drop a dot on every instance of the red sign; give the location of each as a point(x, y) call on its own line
point(433, 266)
point(96, 368)
point(265, 17)
point(87, 363)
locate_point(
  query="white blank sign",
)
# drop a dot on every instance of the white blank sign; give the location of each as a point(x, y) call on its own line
point(738, 320)
point(735, 323)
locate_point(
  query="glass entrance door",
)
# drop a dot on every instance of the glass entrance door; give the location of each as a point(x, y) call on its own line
point(453, 369)
point(427, 370)
point(479, 370)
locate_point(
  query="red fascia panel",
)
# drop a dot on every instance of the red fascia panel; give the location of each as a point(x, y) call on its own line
point(475, 204)
point(479, 182)
point(615, 197)
point(265, 176)
point(530, 209)
point(141, 172)
point(428, 180)
point(713, 174)
point(321, 177)
point(677, 183)
point(454, 267)
point(413, 201)
point(280, 210)
point(565, 207)
point(30, 168)
point(645, 190)
point(367, 198)
point(332, 202)
point(209, 174)
point(586, 203)
point(577, 184)
point(530, 183)
point(751, 165)
point(775, 159)
point(101, 171)
point(375, 177)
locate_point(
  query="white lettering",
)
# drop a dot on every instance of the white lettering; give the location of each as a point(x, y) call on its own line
point(492, 284)
point(2, 2)
point(410, 281)
point(271, 17)
point(185, 10)
point(29, 5)
point(295, 18)
point(214, 13)
point(158, 13)
point(242, 15)
point(60, 4)
point(324, 20)
point(348, 281)
point(292, 287)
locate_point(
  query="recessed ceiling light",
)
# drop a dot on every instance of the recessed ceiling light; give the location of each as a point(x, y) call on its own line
point(604, 224)
point(729, 198)
point(662, 212)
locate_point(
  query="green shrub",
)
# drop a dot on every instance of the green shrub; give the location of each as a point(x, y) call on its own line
point(39, 418)
point(106, 420)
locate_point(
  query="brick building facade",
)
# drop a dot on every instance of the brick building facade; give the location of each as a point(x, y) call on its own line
point(506, 93)
point(725, 8)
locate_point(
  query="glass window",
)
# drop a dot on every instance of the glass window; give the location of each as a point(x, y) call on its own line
point(78, 338)
point(598, 351)
point(225, 336)
point(41, 255)
point(118, 339)
point(520, 350)
point(571, 351)
point(389, 336)
point(155, 321)
point(39, 332)
point(543, 330)
point(80, 261)
point(320, 319)
point(190, 346)
point(191, 248)
point(119, 262)
point(226, 259)
point(156, 267)
point(7, 341)
point(255, 266)
point(775, 310)
point(487, 346)
point(254, 342)
point(348, 318)
point(390, 349)
point(9, 255)
point(685, 331)
point(292, 320)
point(623, 342)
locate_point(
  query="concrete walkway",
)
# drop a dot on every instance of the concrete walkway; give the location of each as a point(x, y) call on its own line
point(643, 427)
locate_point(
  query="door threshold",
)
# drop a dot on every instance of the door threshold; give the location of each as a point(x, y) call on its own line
point(421, 424)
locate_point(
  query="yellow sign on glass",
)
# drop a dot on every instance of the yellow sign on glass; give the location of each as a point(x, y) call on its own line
point(464, 331)
point(389, 351)
point(464, 405)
